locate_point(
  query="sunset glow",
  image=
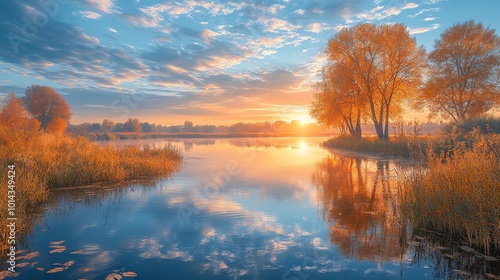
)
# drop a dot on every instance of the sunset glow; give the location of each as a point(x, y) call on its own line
point(208, 62)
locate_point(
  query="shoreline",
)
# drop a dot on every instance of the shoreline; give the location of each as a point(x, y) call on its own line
point(154, 135)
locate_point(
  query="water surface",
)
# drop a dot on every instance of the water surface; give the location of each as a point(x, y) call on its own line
point(259, 208)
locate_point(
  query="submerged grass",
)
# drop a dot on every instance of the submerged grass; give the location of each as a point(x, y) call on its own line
point(458, 192)
point(47, 161)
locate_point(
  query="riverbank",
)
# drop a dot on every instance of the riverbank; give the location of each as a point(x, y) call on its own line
point(397, 146)
point(458, 194)
point(35, 163)
point(153, 135)
point(456, 190)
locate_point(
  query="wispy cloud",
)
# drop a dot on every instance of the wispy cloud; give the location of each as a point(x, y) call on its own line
point(101, 5)
point(420, 30)
point(381, 12)
point(90, 15)
point(217, 59)
point(427, 10)
point(430, 19)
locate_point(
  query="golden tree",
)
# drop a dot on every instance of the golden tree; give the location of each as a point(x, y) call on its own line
point(382, 67)
point(14, 115)
point(107, 125)
point(48, 107)
point(464, 75)
point(339, 101)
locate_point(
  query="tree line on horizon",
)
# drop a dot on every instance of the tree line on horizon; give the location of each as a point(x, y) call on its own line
point(134, 125)
point(374, 71)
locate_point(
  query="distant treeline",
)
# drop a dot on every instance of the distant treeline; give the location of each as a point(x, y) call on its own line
point(134, 128)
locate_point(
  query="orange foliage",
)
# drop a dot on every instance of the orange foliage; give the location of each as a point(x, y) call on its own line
point(339, 101)
point(465, 67)
point(57, 125)
point(47, 106)
point(14, 115)
point(378, 66)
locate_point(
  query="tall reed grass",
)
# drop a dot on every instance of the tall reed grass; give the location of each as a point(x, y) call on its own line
point(397, 146)
point(458, 192)
point(47, 161)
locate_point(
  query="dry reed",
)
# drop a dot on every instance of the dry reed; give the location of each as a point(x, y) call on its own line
point(47, 161)
point(458, 192)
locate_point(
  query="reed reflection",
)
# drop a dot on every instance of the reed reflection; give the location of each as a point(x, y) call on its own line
point(358, 201)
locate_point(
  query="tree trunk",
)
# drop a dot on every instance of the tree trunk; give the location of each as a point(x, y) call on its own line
point(357, 131)
point(379, 129)
point(386, 130)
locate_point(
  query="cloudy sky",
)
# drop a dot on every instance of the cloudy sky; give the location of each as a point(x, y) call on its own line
point(212, 62)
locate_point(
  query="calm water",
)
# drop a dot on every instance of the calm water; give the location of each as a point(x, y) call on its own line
point(277, 208)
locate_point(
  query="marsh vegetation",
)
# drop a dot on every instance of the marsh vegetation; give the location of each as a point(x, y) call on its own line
point(45, 161)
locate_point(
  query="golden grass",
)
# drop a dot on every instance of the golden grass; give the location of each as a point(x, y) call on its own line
point(396, 146)
point(458, 192)
point(47, 161)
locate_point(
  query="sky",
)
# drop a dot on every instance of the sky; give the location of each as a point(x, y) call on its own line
point(211, 62)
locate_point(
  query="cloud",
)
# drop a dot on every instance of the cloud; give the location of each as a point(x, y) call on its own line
point(326, 9)
point(150, 16)
point(90, 15)
point(420, 30)
point(317, 27)
point(153, 16)
point(276, 8)
point(276, 24)
point(422, 11)
point(64, 53)
point(101, 5)
point(381, 12)
point(194, 58)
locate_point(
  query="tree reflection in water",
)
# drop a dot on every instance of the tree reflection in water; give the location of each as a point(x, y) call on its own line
point(360, 206)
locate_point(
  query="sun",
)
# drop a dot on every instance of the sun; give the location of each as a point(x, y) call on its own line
point(303, 118)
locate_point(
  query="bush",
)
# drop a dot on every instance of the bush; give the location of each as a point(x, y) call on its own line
point(487, 125)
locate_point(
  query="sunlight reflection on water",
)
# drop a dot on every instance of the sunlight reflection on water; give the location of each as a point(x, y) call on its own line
point(277, 208)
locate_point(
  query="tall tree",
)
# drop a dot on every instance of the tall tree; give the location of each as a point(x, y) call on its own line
point(46, 105)
point(14, 115)
point(188, 126)
point(338, 101)
point(384, 66)
point(107, 125)
point(465, 70)
point(132, 125)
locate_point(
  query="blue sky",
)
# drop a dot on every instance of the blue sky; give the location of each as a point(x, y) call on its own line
point(212, 62)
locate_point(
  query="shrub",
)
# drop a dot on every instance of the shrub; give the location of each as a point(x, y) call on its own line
point(486, 125)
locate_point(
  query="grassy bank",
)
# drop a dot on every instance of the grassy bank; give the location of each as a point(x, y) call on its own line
point(456, 190)
point(399, 146)
point(458, 194)
point(47, 161)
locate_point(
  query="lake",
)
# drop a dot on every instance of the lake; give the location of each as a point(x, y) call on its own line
point(244, 208)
